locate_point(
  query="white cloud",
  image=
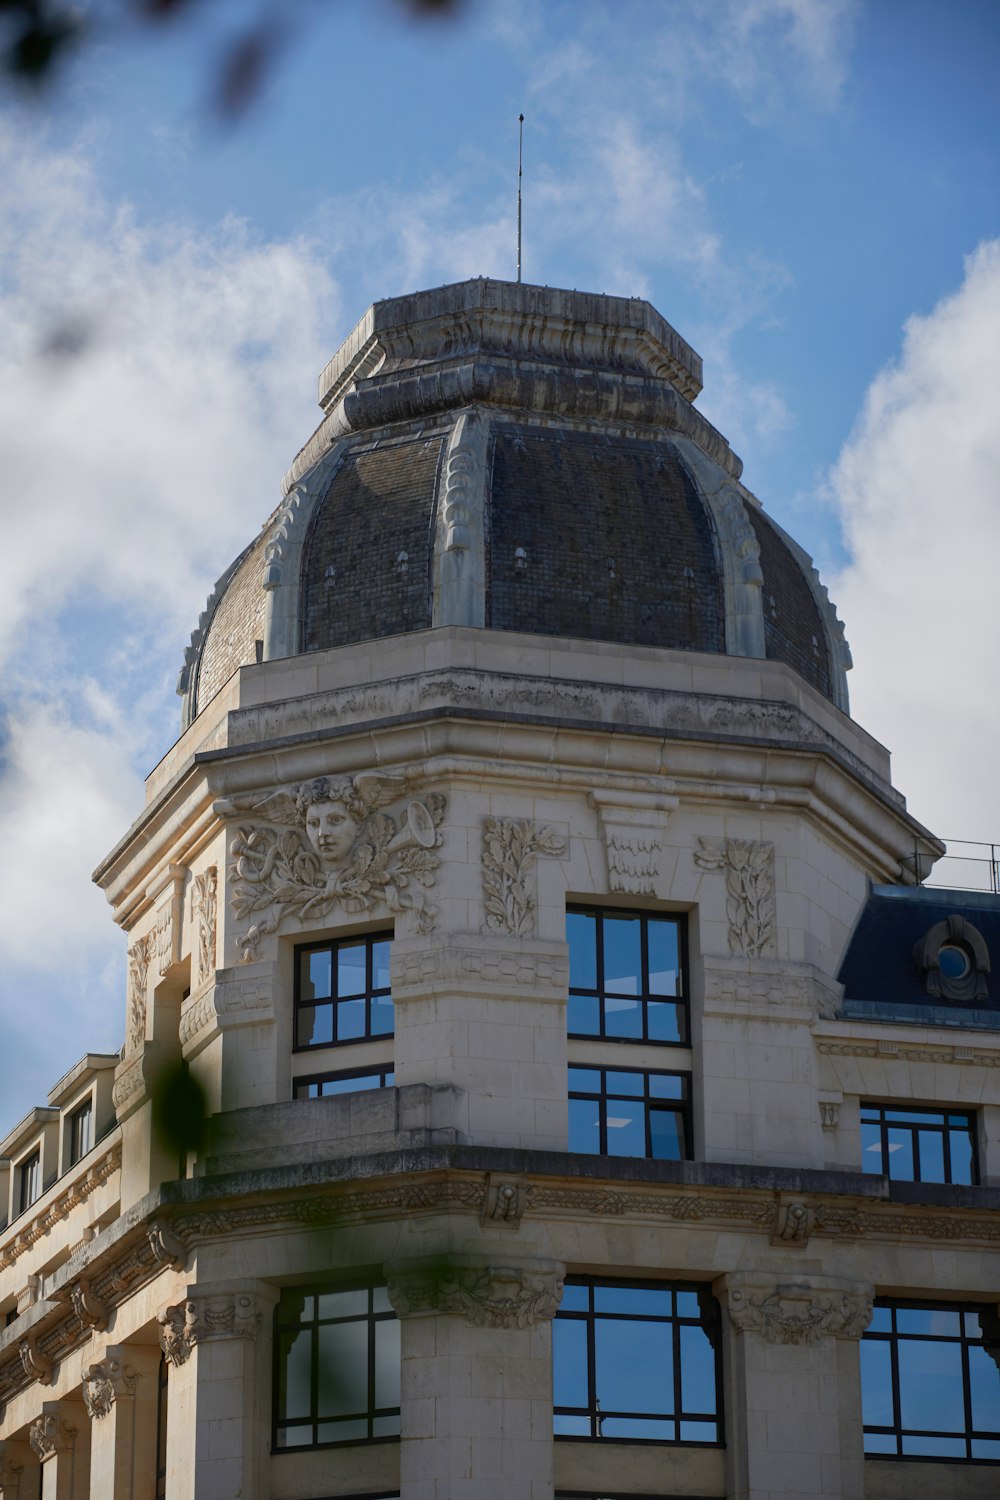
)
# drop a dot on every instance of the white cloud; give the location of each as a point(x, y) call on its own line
point(916, 489)
point(154, 384)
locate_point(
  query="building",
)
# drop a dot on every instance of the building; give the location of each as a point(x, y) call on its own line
point(598, 1106)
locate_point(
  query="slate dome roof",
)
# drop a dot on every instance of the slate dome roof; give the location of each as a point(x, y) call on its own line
point(517, 458)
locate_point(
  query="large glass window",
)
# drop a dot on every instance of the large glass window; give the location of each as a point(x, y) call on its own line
point(29, 1180)
point(918, 1145)
point(628, 1112)
point(929, 1387)
point(323, 1085)
point(337, 1367)
point(342, 992)
point(626, 976)
point(637, 1361)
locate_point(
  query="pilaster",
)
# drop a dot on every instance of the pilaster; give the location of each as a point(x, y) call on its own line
point(476, 1397)
point(60, 1438)
point(217, 1341)
point(120, 1395)
point(794, 1418)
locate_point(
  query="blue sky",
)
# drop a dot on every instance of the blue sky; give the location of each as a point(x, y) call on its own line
point(806, 189)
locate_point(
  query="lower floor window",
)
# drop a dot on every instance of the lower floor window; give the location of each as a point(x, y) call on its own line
point(930, 1387)
point(323, 1085)
point(637, 1361)
point(337, 1366)
point(628, 1112)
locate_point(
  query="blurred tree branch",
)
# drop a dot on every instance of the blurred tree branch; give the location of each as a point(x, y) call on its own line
point(38, 37)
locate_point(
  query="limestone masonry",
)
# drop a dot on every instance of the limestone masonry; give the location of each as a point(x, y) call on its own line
point(597, 1105)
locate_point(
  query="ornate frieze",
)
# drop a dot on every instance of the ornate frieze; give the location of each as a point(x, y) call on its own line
point(749, 873)
point(325, 845)
point(798, 1313)
point(486, 1296)
point(108, 1381)
point(140, 956)
point(510, 850)
point(916, 1052)
point(527, 969)
point(204, 910)
point(204, 1316)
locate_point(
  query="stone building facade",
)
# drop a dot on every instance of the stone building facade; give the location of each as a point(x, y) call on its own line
point(597, 1106)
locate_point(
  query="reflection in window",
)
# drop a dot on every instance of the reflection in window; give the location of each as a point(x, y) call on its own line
point(625, 976)
point(30, 1180)
point(929, 1386)
point(81, 1132)
point(627, 1112)
point(323, 1085)
point(342, 992)
point(637, 1362)
point(918, 1145)
point(336, 1367)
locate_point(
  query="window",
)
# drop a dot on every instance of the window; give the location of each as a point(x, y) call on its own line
point(342, 992)
point(637, 1361)
point(918, 1145)
point(929, 1387)
point(337, 1367)
point(30, 1179)
point(324, 1084)
point(627, 1112)
point(162, 1395)
point(81, 1131)
point(625, 976)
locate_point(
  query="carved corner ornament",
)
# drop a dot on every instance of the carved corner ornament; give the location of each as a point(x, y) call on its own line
point(486, 1296)
point(50, 1433)
point(140, 956)
point(201, 1317)
point(204, 916)
point(510, 850)
point(108, 1381)
point(749, 873)
point(34, 1363)
point(325, 844)
point(89, 1309)
point(798, 1313)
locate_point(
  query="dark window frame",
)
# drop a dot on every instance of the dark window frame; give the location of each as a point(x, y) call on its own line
point(593, 1412)
point(371, 991)
point(162, 1418)
point(894, 1338)
point(681, 1000)
point(680, 1107)
point(373, 1413)
point(382, 1070)
point(914, 1128)
point(33, 1161)
point(85, 1109)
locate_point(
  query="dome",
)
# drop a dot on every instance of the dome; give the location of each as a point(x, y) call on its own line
point(517, 458)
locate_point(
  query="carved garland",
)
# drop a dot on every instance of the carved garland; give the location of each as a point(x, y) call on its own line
point(799, 1314)
point(204, 907)
point(139, 959)
point(486, 1296)
point(221, 1315)
point(749, 870)
point(510, 850)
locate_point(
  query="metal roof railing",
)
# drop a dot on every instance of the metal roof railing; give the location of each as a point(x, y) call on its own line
point(965, 866)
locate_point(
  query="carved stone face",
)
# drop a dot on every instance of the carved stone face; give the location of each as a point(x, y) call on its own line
point(331, 830)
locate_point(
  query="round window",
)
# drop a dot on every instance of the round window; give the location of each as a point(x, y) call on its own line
point(954, 960)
